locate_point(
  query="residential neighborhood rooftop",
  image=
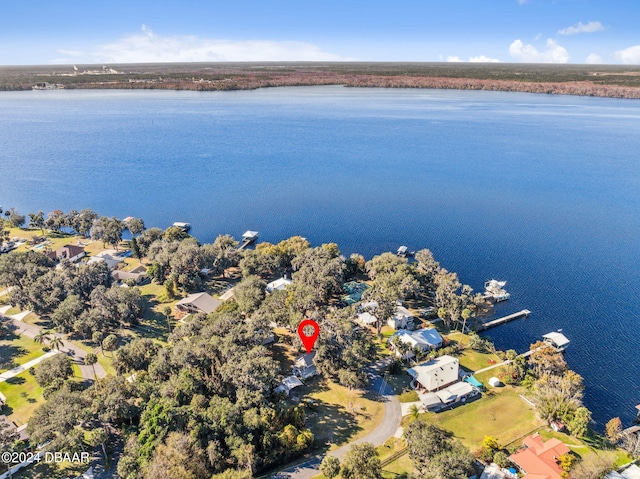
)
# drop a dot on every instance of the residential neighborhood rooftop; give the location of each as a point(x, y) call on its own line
point(198, 302)
point(538, 458)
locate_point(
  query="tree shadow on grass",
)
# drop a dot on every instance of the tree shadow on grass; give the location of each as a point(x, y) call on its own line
point(6, 410)
point(16, 380)
point(8, 354)
point(332, 423)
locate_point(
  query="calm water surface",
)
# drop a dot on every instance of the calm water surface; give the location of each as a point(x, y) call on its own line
point(541, 191)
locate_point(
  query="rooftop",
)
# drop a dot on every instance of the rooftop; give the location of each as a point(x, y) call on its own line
point(538, 458)
point(558, 339)
point(202, 301)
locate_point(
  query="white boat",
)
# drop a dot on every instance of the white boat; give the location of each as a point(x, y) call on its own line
point(494, 285)
point(495, 290)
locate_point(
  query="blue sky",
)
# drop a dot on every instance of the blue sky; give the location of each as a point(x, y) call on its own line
point(559, 31)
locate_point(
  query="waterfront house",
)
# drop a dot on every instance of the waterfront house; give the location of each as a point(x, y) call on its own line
point(198, 303)
point(402, 319)
point(278, 284)
point(435, 374)
point(69, 252)
point(422, 339)
point(304, 367)
point(538, 459)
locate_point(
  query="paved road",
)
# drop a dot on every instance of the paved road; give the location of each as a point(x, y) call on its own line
point(76, 353)
point(23, 367)
point(386, 429)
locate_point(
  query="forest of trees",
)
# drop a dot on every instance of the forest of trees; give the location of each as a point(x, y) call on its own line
point(202, 404)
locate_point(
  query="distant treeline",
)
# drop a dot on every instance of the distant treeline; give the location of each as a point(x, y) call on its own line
point(614, 81)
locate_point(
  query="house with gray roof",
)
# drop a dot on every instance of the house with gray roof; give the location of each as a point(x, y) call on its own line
point(198, 303)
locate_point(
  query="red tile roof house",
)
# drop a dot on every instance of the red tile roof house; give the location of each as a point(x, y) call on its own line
point(538, 459)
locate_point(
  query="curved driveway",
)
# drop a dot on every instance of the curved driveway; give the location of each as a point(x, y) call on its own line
point(386, 429)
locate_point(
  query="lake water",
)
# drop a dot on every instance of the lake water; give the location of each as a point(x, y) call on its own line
point(541, 191)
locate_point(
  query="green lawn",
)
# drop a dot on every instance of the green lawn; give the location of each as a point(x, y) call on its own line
point(51, 471)
point(342, 415)
point(503, 415)
point(470, 359)
point(23, 397)
point(17, 350)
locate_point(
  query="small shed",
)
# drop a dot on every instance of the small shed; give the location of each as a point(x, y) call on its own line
point(495, 382)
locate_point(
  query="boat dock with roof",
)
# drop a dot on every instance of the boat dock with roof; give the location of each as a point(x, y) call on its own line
point(247, 238)
point(556, 339)
point(494, 289)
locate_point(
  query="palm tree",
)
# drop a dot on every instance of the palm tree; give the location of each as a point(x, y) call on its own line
point(55, 343)
point(41, 337)
point(414, 411)
point(90, 360)
point(167, 312)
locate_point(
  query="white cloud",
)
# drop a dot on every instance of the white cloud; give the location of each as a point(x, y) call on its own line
point(594, 59)
point(483, 59)
point(629, 55)
point(149, 47)
point(554, 53)
point(582, 28)
point(478, 59)
point(522, 2)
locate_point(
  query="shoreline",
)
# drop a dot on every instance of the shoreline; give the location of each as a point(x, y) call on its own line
point(605, 81)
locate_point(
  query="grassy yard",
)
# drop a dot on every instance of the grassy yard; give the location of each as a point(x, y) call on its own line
point(341, 415)
point(16, 350)
point(503, 415)
point(51, 471)
point(470, 359)
point(23, 397)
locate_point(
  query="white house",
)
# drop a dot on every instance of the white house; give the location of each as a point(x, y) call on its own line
point(304, 367)
point(435, 374)
point(402, 319)
point(423, 339)
point(278, 284)
point(111, 261)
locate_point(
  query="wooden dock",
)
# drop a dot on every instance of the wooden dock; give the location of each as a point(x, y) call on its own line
point(504, 319)
point(244, 245)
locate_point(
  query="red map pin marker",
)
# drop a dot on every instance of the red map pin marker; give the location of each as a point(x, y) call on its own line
point(308, 341)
